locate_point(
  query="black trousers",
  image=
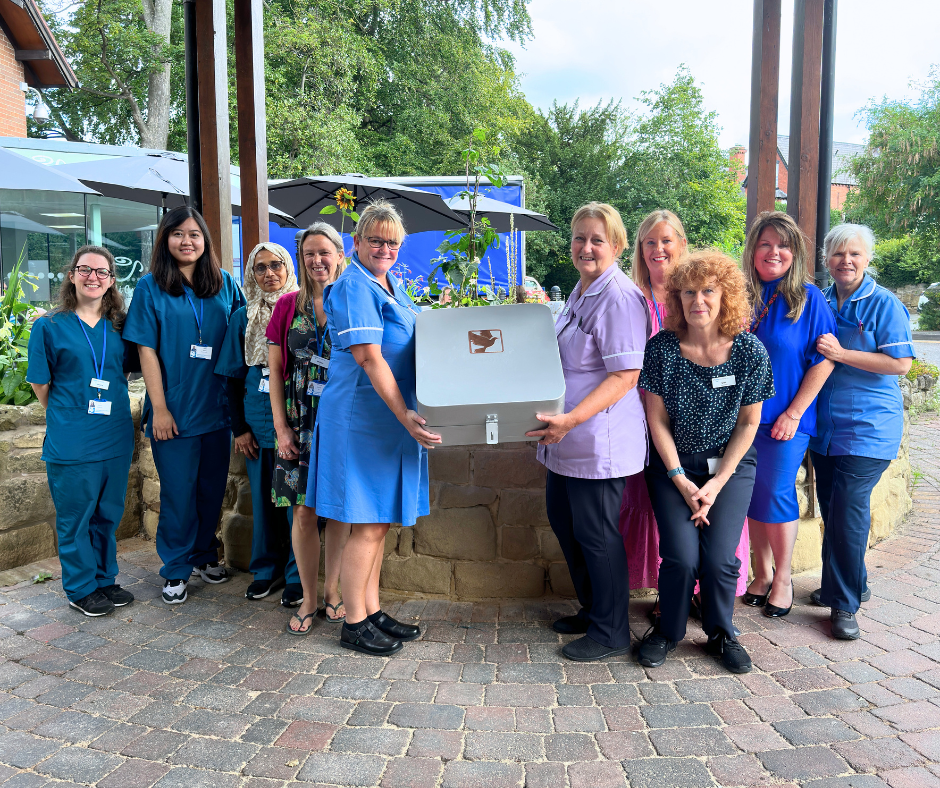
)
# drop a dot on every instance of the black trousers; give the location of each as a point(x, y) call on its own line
point(584, 515)
point(706, 553)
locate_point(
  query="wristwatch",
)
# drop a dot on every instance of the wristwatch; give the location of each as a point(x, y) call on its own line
point(675, 472)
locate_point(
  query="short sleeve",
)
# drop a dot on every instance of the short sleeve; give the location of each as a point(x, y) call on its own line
point(354, 313)
point(621, 332)
point(38, 370)
point(651, 376)
point(278, 318)
point(231, 363)
point(759, 380)
point(893, 329)
point(141, 325)
point(820, 320)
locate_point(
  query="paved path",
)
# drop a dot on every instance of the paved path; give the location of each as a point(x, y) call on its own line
point(212, 693)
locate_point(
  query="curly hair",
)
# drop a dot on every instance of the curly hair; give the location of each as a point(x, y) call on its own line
point(112, 303)
point(702, 267)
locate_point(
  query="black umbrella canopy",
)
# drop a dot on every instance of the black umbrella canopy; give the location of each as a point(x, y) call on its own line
point(22, 173)
point(304, 198)
point(498, 212)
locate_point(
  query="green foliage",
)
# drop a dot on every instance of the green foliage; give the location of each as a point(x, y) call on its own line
point(920, 367)
point(899, 262)
point(928, 317)
point(14, 339)
point(41, 577)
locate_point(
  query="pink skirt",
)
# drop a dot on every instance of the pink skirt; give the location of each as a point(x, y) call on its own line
point(641, 538)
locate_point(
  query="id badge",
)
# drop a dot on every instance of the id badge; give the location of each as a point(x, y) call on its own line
point(720, 383)
point(320, 361)
point(97, 383)
point(264, 386)
point(714, 463)
point(315, 389)
point(265, 372)
point(99, 407)
point(200, 351)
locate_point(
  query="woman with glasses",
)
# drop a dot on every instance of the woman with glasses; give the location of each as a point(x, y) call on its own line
point(369, 463)
point(860, 416)
point(77, 363)
point(299, 356)
point(178, 318)
point(243, 360)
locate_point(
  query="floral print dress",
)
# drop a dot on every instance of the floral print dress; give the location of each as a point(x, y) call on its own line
point(306, 341)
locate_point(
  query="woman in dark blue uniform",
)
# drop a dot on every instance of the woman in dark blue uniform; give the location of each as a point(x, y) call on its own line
point(77, 369)
point(178, 318)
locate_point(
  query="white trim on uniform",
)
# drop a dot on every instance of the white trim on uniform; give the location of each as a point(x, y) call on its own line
point(895, 344)
point(361, 328)
point(625, 353)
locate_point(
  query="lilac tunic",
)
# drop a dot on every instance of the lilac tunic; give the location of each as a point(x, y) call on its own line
point(603, 330)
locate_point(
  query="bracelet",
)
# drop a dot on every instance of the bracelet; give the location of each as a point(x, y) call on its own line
point(675, 472)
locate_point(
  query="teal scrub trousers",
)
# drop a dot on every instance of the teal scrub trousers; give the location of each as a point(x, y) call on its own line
point(271, 551)
point(193, 474)
point(89, 505)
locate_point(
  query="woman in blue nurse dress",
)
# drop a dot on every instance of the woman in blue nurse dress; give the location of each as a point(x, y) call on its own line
point(369, 461)
point(178, 318)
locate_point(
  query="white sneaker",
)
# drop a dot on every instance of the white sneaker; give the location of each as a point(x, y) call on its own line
point(211, 573)
point(174, 592)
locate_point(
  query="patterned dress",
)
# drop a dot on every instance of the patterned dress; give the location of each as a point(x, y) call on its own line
point(305, 340)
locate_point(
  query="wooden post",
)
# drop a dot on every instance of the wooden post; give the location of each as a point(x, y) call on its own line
point(252, 138)
point(212, 60)
point(803, 175)
point(765, 79)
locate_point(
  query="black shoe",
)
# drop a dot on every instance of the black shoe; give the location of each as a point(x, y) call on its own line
point(394, 629)
point(259, 589)
point(653, 650)
point(174, 592)
point(118, 596)
point(571, 625)
point(844, 625)
point(772, 611)
point(368, 639)
point(293, 595)
point(211, 573)
point(756, 600)
point(732, 654)
point(95, 604)
point(816, 599)
point(586, 649)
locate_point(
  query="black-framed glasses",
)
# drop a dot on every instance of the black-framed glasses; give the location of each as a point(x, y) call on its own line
point(86, 271)
point(275, 267)
point(378, 243)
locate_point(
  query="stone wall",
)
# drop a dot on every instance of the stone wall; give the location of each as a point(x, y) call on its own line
point(910, 295)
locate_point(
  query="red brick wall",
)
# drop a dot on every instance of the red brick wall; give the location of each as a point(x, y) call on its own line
point(12, 99)
point(837, 196)
point(782, 180)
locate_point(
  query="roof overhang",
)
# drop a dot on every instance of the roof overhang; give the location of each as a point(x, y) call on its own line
point(35, 47)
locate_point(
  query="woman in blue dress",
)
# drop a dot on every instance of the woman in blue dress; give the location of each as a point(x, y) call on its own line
point(269, 274)
point(369, 461)
point(790, 314)
point(77, 364)
point(861, 417)
point(178, 318)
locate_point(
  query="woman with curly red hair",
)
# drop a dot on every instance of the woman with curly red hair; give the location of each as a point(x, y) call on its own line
point(705, 379)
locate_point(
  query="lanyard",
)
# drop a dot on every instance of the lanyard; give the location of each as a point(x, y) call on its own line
point(202, 307)
point(321, 338)
point(659, 317)
point(755, 326)
point(99, 371)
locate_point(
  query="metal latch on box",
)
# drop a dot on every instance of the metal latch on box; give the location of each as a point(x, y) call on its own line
point(492, 428)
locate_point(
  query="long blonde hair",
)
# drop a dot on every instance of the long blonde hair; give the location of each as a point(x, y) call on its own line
point(640, 270)
point(793, 285)
point(307, 286)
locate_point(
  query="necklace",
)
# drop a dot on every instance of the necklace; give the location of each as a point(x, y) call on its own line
point(755, 326)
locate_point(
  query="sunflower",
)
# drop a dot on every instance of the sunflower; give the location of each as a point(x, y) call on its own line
point(345, 199)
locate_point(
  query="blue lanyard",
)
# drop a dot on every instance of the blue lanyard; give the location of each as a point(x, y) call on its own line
point(99, 370)
point(202, 307)
point(659, 317)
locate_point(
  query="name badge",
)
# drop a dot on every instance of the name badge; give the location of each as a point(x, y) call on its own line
point(99, 407)
point(320, 361)
point(714, 463)
point(97, 383)
point(315, 389)
point(720, 383)
point(200, 351)
point(265, 372)
point(264, 386)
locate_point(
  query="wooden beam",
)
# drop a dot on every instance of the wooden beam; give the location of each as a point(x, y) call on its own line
point(32, 54)
point(252, 137)
point(212, 64)
point(765, 79)
point(803, 172)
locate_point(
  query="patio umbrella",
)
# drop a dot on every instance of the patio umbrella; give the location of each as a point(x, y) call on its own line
point(303, 198)
point(498, 213)
point(22, 173)
point(11, 220)
point(160, 179)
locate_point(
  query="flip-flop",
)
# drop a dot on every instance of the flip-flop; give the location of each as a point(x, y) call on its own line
point(334, 608)
point(300, 632)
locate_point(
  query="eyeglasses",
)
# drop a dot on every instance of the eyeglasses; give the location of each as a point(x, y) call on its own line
point(86, 271)
point(276, 266)
point(378, 243)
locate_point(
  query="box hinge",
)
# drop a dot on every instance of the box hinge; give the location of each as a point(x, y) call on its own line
point(492, 428)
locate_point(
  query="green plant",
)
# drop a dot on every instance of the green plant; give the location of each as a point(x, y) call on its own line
point(916, 475)
point(928, 317)
point(42, 577)
point(14, 338)
point(345, 204)
point(920, 367)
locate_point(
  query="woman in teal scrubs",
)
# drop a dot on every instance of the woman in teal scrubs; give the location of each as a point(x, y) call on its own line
point(243, 359)
point(77, 364)
point(178, 318)
point(860, 417)
point(369, 462)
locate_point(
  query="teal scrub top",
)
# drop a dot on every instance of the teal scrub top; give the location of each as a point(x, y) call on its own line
point(232, 364)
point(195, 395)
point(861, 413)
point(60, 356)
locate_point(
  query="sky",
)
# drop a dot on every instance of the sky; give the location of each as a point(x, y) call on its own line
point(603, 49)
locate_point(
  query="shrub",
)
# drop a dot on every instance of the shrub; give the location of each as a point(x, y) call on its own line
point(920, 367)
point(14, 340)
point(929, 315)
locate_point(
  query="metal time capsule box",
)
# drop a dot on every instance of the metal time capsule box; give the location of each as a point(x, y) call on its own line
point(483, 372)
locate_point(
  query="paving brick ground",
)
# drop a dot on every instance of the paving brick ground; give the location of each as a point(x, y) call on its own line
point(213, 693)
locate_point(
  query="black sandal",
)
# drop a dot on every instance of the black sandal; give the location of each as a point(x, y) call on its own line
point(334, 608)
point(301, 619)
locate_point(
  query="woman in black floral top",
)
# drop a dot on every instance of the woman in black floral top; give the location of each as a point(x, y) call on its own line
point(705, 378)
